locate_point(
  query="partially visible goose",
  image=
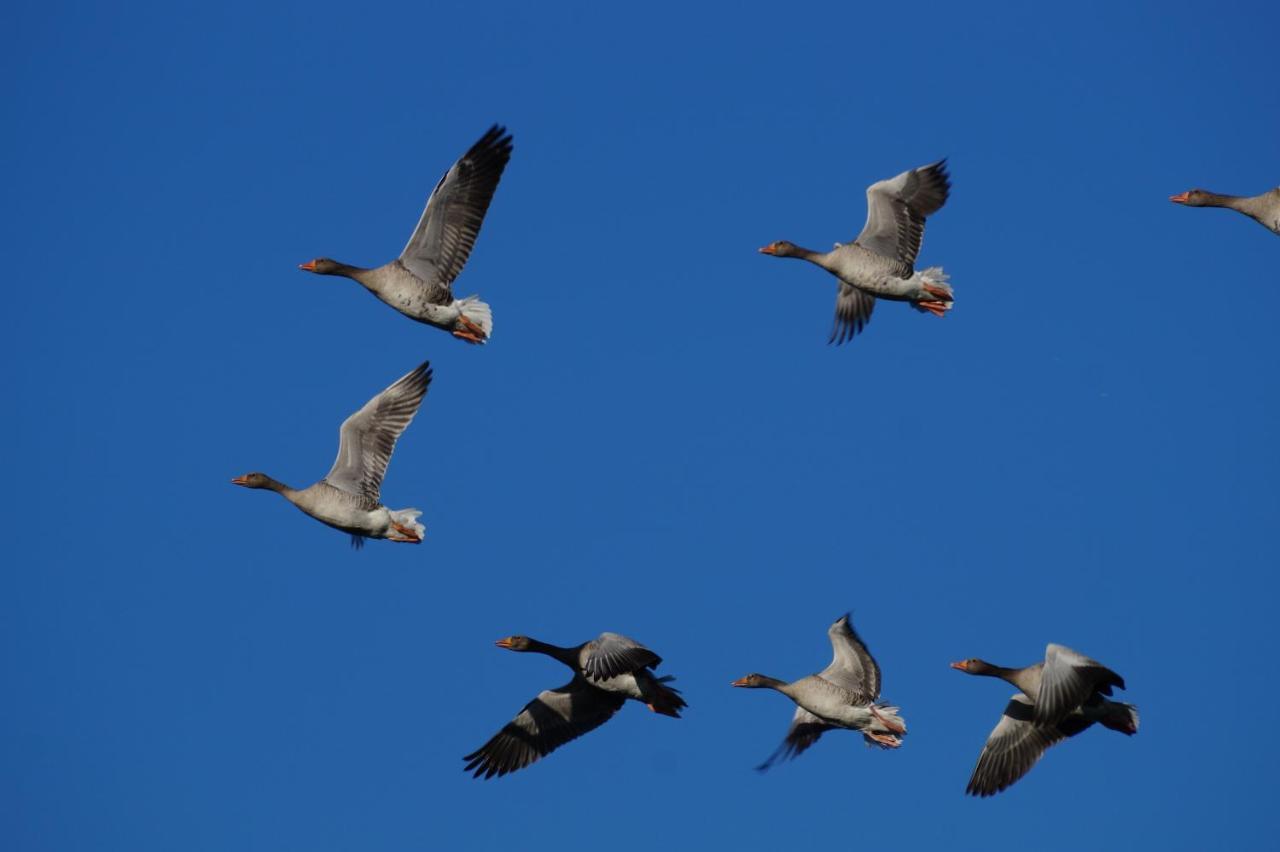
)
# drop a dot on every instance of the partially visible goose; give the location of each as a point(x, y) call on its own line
point(419, 283)
point(606, 672)
point(348, 497)
point(843, 695)
point(880, 263)
point(1061, 696)
point(1263, 209)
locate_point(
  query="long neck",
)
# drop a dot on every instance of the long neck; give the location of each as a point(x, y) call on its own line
point(818, 257)
point(278, 487)
point(1026, 679)
point(1213, 199)
point(568, 656)
point(774, 683)
point(357, 273)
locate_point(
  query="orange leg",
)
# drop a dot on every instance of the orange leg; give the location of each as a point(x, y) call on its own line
point(409, 534)
point(936, 291)
point(469, 331)
point(938, 309)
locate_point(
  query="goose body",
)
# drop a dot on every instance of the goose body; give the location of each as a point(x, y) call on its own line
point(1059, 697)
point(348, 498)
point(419, 283)
point(843, 695)
point(1263, 209)
point(880, 263)
point(607, 671)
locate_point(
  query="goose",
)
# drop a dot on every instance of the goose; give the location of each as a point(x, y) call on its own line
point(1263, 209)
point(347, 498)
point(419, 282)
point(607, 671)
point(843, 695)
point(1059, 698)
point(880, 263)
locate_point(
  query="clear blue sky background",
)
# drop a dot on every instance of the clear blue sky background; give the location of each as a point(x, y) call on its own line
point(658, 441)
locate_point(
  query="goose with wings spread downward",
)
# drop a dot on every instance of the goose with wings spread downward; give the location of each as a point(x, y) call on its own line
point(607, 671)
point(880, 263)
point(419, 283)
point(1061, 696)
point(348, 498)
point(843, 695)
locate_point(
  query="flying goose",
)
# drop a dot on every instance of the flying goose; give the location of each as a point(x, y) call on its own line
point(880, 263)
point(1059, 698)
point(843, 695)
point(419, 283)
point(348, 497)
point(606, 672)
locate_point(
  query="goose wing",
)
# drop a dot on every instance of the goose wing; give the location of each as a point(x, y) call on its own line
point(896, 210)
point(852, 666)
point(612, 654)
point(805, 730)
point(450, 223)
point(853, 312)
point(368, 437)
point(1067, 680)
point(1015, 745)
point(555, 717)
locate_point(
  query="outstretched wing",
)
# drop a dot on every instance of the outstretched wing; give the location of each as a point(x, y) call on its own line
point(450, 223)
point(805, 730)
point(1015, 745)
point(368, 437)
point(896, 210)
point(612, 654)
point(853, 312)
point(555, 717)
point(852, 666)
point(1067, 680)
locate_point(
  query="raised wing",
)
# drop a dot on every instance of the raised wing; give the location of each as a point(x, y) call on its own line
point(1015, 745)
point(368, 437)
point(896, 210)
point(852, 666)
point(1067, 680)
point(853, 311)
point(450, 223)
point(612, 654)
point(554, 718)
point(805, 730)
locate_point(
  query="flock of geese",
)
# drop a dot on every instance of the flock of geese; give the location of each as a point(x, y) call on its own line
point(1057, 698)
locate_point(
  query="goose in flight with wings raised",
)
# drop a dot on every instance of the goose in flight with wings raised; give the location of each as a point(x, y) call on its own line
point(880, 263)
point(419, 283)
point(843, 695)
point(348, 498)
point(606, 672)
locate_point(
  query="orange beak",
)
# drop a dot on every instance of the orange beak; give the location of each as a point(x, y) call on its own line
point(504, 643)
point(240, 480)
point(742, 681)
point(767, 249)
point(309, 266)
point(963, 666)
point(1180, 198)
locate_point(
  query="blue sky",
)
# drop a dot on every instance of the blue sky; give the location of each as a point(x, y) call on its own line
point(658, 441)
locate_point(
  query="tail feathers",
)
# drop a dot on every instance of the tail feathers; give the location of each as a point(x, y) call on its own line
point(477, 312)
point(407, 518)
point(666, 699)
point(1121, 717)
